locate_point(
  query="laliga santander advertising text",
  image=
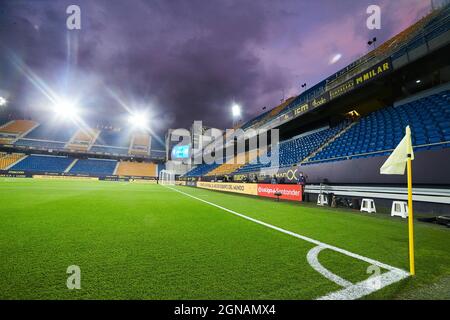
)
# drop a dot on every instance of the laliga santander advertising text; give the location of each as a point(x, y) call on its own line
point(288, 191)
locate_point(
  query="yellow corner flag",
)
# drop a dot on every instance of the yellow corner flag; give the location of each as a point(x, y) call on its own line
point(399, 159)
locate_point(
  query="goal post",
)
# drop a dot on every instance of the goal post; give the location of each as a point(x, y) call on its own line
point(166, 178)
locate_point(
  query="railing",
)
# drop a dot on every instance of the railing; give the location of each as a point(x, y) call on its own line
point(358, 155)
point(437, 195)
point(422, 35)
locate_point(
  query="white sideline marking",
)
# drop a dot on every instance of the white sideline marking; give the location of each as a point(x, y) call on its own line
point(351, 292)
point(313, 260)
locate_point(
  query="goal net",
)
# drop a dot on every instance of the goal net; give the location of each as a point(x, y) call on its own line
point(166, 177)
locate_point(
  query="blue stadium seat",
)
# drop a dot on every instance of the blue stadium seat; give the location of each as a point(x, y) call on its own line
point(52, 131)
point(94, 167)
point(111, 150)
point(43, 163)
point(293, 151)
point(382, 130)
point(40, 144)
point(201, 170)
point(113, 138)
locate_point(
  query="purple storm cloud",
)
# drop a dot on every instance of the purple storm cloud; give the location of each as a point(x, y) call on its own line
point(184, 60)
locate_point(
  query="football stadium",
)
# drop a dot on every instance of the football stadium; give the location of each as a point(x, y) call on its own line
point(338, 191)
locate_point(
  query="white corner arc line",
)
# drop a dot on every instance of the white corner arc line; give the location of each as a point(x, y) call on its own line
point(349, 293)
point(367, 286)
point(312, 258)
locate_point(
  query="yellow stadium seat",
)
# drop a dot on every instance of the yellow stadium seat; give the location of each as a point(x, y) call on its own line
point(9, 159)
point(232, 165)
point(18, 126)
point(145, 169)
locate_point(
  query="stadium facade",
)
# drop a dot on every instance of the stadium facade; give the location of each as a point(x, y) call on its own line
point(339, 132)
point(63, 149)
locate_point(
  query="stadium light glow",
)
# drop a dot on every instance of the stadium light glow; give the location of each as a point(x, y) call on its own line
point(139, 120)
point(236, 110)
point(335, 58)
point(66, 109)
point(3, 102)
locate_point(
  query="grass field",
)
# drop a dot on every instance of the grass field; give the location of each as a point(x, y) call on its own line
point(142, 241)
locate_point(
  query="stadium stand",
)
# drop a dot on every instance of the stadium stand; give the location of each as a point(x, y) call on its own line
point(43, 163)
point(145, 169)
point(296, 149)
point(278, 109)
point(7, 160)
point(140, 144)
point(94, 167)
point(13, 129)
point(426, 29)
point(55, 145)
point(158, 153)
point(201, 170)
point(423, 30)
point(115, 138)
point(6, 139)
point(109, 150)
point(18, 126)
point(265, 116)
point(50, 135)
point(112, 142)
point(258, 119)
point(379, 132)
point(232, 165)
point(63, 136)
point(52, 131)
point(83, 139)
point(158, 148)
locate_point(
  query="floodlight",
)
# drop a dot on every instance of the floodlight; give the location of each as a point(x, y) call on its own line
point(418, 81)
point(139, 120)
point(236, 110)
point(3, 101)
point(335, 58)
point(66, 109)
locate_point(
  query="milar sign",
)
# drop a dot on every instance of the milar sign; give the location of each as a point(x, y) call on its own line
point(376, 71)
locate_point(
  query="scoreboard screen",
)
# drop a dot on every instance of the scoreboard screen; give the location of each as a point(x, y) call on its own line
point(181, 152)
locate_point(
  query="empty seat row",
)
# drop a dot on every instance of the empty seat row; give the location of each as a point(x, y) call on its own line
point(42, 163)
point(380, 132)
point(40, 144)
point(295, 150)
point(129, 168)
point(201, 170)
point(6, 160)
point(94, 167)
point(59, 164)
point(110, 150)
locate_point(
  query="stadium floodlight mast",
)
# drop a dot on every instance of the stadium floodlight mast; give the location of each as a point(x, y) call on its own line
point(3, 102)
point(372, 42)
point(139, 120)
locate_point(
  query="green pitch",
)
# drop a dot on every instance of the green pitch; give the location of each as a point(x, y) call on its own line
point(140, 241)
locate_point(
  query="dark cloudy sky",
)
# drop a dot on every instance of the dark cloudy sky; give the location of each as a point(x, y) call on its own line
point(184, 60)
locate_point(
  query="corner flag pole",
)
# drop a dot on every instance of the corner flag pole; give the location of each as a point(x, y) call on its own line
point(400, 158)
point(410, 218)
